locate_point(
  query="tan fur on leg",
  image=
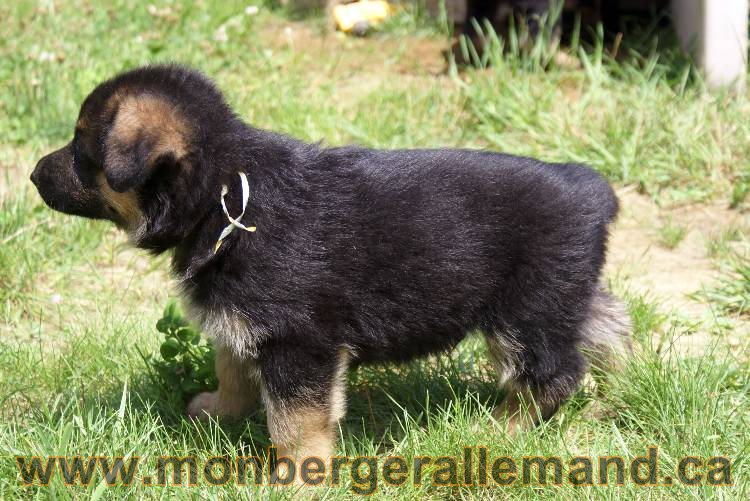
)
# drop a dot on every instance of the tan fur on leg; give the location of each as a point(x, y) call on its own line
point(517, 410)
point(238, 393)
point(522, 409)
point(302, 431)
point(299, 433)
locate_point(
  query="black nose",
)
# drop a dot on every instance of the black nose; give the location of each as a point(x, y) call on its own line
point(36, 174)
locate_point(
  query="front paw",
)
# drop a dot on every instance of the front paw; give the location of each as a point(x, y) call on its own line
point(203, 405)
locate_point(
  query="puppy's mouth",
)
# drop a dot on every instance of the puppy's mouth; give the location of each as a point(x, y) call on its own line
point(79, 205)
point(62, 190)
point(67, 197)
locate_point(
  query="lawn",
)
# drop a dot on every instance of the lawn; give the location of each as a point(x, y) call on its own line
point(79, 307)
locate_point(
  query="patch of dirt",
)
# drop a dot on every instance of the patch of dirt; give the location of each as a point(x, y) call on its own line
point(349, 54)
point(645, 265)
point(358, 66)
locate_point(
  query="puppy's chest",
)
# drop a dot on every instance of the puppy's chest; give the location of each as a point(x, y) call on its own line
point(226, 325)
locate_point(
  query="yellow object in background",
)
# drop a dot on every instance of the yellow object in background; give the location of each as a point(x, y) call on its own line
point(357, 17)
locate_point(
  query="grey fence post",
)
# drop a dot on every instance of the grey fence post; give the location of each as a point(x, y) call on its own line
point(716, 32)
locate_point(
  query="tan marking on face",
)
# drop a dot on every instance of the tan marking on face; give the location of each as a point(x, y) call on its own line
point(86, 130)
point(152, 117)
point(125, 204)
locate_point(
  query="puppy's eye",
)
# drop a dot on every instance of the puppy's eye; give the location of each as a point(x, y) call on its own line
point(83, 165)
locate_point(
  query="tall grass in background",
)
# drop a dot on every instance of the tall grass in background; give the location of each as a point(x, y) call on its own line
point(636, 111)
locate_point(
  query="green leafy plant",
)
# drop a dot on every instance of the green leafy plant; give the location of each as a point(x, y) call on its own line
point(186, 364)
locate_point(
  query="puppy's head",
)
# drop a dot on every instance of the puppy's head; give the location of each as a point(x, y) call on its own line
point(135, 154)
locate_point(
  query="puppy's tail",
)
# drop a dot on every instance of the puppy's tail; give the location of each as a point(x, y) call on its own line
point(606, 333)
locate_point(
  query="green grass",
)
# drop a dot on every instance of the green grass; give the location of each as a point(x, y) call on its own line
point(720, 244)
point(79, 308)
point(731, 294)
point(671, 233)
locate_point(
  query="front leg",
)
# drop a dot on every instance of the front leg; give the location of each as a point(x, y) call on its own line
point(238, 393)
point(305, 399)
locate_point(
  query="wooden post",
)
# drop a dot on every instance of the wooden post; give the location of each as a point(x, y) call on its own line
point(716, 32)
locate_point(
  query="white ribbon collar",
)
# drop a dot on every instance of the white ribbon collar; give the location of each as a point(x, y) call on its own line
point(234, 222)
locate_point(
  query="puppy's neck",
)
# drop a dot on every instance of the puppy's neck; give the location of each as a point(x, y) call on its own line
point(272, 163)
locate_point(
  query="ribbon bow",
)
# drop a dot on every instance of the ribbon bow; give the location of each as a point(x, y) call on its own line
point(234, 222)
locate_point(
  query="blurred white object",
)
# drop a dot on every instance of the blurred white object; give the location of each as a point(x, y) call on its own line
point(221, 35)
point(716, 30)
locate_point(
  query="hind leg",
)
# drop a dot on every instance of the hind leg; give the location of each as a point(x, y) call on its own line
point(539, 377)
point(542, 364)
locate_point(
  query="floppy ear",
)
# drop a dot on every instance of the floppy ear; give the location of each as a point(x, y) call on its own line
point(147, 131)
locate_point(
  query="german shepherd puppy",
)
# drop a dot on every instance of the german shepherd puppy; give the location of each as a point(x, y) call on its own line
point(358, 256)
